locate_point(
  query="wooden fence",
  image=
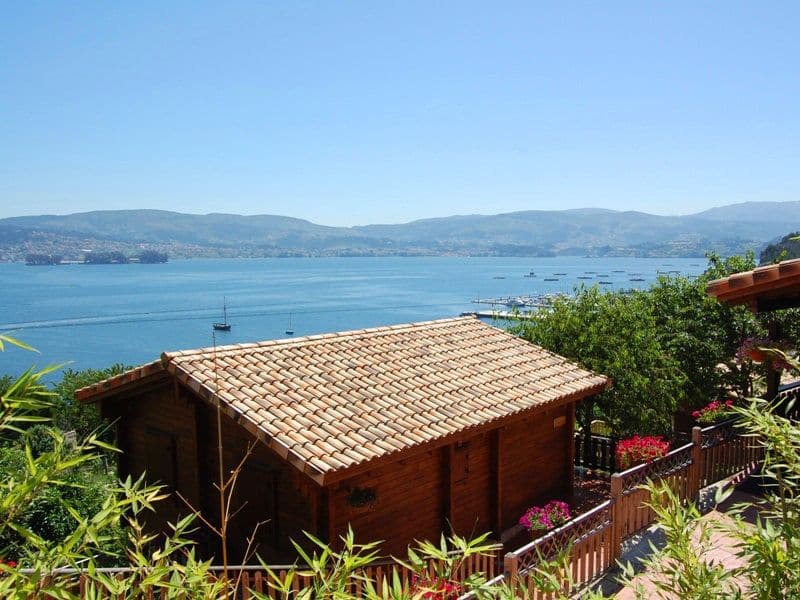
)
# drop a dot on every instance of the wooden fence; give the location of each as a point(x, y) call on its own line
point(590, 536)
point(249, 579)
point(726, 452)
point(596, 537)
point(597, 452)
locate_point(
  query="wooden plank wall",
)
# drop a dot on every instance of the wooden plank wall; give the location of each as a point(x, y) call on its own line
point(535, 466)
point(468, 486)
point(410, 502)
point(159, 438)
point(472, 485)
point(170, 433)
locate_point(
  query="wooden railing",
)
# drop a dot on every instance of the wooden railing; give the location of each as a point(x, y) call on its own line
point(597, 453)
point(249, 579)
point(595, 538)
point(589, 539)
point(631, 513)
point(726, 452)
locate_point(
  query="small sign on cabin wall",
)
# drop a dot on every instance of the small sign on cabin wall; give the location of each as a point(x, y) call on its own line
point(559, 421)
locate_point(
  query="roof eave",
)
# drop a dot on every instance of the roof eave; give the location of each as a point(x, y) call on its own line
point(119, 383)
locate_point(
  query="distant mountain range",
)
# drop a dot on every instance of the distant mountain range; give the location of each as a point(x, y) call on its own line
point(594, 232)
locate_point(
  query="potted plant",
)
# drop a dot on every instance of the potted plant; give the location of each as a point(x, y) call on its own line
point(762, 350)
point(541, 519)
point(713, 412)
point(362, 498)
point(640, 449)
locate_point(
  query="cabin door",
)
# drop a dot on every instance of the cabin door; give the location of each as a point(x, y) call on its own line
point(471, 487)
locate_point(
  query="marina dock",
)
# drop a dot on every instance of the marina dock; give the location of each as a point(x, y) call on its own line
point(499, 315)
point(521, 302)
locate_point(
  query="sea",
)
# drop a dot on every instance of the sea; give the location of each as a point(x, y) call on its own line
point(93, 316)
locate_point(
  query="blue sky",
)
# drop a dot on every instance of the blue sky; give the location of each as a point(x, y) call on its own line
point(362, 112)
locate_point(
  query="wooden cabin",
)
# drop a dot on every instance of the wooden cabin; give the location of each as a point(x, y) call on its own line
point(402, 432)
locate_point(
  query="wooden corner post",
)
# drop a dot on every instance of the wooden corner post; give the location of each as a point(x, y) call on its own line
point(511, 568)
point(697, 462)
point(617, 518)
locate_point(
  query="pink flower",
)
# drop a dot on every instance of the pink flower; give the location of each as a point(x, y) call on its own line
point(547, 517)
point(713, 412)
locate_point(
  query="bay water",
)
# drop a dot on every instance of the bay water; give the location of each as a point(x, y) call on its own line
point(93, 316)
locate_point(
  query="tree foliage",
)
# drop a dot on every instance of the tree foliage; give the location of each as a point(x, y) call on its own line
point(152, 257)
point(616, 335)
point(703, 333)
point(662, 347)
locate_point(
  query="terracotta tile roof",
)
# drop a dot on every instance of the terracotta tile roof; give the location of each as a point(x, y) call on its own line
point(766, 288)
point(328, 403)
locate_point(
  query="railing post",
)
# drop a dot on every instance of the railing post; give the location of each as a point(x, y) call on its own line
point(511, 568)
point(697, 463)
point(615, 551)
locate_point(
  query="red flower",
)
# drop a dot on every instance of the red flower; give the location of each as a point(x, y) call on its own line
point(436, 588)
point(640, 449)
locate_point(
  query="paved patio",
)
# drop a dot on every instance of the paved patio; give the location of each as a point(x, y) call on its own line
point(724, 546)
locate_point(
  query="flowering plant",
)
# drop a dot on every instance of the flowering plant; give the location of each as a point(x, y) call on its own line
point(712, 412)
point(6, 565)
point(435, 588)
point(547, 517)
point(640, 449)
point(761, 350)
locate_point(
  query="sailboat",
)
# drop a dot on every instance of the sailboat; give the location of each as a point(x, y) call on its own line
point(224, 326)
point(289, 330)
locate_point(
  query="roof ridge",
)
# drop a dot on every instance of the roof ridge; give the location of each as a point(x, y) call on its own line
point(315, 337)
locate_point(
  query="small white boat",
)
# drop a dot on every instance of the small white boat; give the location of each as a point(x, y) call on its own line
point(224, 325)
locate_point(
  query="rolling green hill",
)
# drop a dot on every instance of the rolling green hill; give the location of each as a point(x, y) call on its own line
point(727, 229)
